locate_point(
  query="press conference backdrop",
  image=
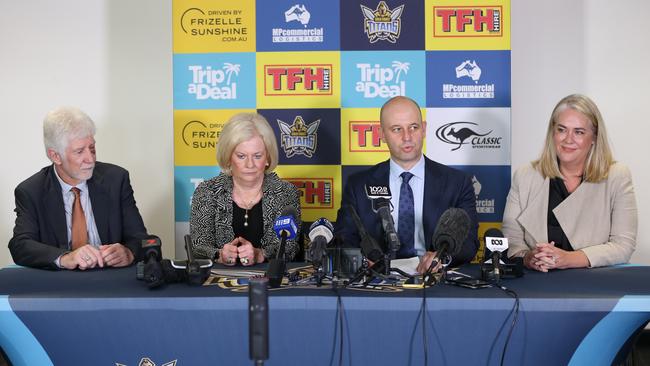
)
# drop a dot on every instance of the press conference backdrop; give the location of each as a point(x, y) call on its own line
point(319, 71)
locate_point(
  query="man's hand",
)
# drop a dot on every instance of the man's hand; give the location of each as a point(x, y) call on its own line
point(425, 262)
point(84, 257)
point(116, 255)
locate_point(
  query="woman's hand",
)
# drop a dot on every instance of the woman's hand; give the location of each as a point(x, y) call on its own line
point(546, 256)
point(248, 254)
point(229, 253)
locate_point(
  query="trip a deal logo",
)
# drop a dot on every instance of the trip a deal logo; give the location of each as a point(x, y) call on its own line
point(467, 21)
point(298, 79)
point(214, 81)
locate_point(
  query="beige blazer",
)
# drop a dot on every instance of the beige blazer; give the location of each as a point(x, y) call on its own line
point(598, 218)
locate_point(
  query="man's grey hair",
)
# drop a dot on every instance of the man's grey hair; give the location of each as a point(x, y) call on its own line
point(64, 124)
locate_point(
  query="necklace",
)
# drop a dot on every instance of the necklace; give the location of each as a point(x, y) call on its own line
point(249, 206)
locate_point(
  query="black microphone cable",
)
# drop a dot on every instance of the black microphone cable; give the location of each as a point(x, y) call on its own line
point(515, 310)
point(339, 323)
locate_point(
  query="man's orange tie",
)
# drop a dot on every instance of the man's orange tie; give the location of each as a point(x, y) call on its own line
point(79, 230)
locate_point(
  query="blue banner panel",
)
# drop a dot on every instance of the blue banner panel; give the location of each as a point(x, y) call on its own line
point(382, 25)
point(369, 79)
point(214, 81)
point(491, 187)
point(186, 179)
point(468, 78)
point(307, 136)
point(285, 25)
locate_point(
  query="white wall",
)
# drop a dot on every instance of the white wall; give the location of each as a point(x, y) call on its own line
point(112, 58)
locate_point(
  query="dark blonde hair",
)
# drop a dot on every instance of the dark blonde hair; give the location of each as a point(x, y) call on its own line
point(600, 157)
point(243, 127)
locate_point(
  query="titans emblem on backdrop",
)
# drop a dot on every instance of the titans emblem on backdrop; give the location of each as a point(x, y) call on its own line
point(463, 133)
point(382, 24)
point(299, 138)
point(146, 361)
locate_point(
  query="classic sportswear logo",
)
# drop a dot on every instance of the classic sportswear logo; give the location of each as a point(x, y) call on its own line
point(463, 133)
point(300, 15)
point(217, 83)
point(382, 24)
point(299, 138)
point(384, 82)
point(471, 70)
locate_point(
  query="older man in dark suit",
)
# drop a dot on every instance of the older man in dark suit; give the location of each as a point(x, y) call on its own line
point(421, 189)
point(77, 212)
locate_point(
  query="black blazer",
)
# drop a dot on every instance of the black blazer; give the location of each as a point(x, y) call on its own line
point(444, 187)
point(40, 234)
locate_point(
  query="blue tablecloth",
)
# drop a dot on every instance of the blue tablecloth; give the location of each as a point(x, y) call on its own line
point(107, 317)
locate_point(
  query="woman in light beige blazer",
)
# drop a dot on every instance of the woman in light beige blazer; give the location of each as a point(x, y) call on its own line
point(574, 207)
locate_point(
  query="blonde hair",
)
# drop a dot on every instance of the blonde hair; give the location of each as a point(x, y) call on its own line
point(600, 157)
point(243, 127)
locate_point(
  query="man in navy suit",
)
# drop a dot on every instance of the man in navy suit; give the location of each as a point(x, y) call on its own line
point(77, 212)
point(421, 190)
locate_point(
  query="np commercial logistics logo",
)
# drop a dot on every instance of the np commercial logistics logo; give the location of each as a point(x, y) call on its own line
point(468, 78)
point(491, 185)
point(300, 34)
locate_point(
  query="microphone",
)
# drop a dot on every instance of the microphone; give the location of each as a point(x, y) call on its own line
point(153, 270)
point(258, 320)
point(368, 244)
point(285, 228)
point(451, 231)
point(380, 197)
point(320, 234)
point(497, 267)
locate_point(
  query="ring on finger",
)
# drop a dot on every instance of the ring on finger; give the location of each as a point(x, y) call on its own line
point(244, 261)
point(85, 258)
point(231, 260)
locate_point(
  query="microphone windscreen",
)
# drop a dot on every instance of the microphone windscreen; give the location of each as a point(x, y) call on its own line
point(452, 228)
point(493, 233)
point(289, 211)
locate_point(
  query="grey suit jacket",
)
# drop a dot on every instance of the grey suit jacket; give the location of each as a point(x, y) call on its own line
point(598, 218)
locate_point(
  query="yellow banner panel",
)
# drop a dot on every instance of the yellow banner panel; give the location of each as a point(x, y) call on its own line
point(204, 26)
point(298, 80)
point(196, 133)
point(467, 25)
point(319, 187)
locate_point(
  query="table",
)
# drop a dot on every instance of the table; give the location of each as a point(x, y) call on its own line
point(107, 317)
